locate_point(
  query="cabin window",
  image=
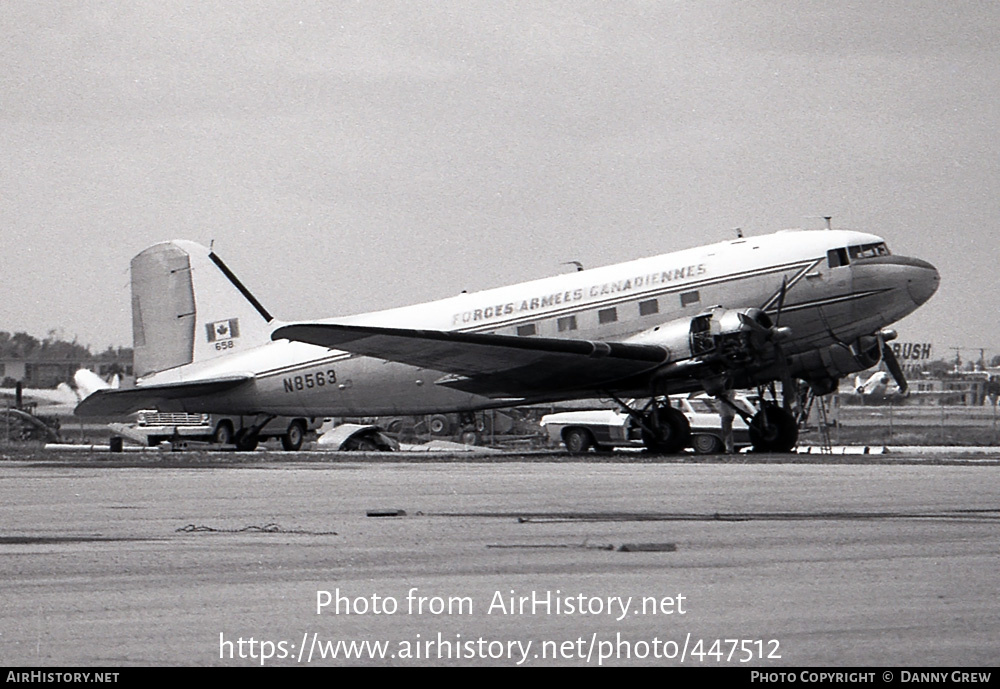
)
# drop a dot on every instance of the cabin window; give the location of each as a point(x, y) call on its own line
point(836, 257)
point(649, 307)
point(607, 315)
point(526, 330)
point(688, 298)
point(566, 323)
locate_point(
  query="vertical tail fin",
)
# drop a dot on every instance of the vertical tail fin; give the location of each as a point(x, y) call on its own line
point(187, 306)
point(88, 382)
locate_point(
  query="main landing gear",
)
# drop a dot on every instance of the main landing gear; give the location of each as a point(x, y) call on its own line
point(773, 429)
point(664, 429)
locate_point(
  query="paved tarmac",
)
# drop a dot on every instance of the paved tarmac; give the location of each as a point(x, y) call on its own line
point(764, 564)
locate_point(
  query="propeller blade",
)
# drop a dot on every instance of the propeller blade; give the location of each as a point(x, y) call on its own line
point(891, 363)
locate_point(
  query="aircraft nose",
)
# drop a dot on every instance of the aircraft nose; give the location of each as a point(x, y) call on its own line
point(922, 280)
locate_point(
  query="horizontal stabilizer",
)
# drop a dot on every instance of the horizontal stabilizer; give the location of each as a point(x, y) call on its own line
point(119, 402)
point(486, 364)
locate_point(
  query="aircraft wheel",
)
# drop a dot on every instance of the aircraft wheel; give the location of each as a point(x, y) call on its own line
point(707, 444)
point(577, 440)
point(668, 430)
point(246, 442)
point(773, 429)
point(292, 440)
point(223, 433)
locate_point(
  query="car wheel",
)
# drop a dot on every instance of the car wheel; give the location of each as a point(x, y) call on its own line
point(706, 444)
point(292, 440)
point(439, 425)
point(577, 440)
point(223, 433)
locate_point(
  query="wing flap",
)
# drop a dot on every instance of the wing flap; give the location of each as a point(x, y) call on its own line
point(492, 365)
point(119, 402)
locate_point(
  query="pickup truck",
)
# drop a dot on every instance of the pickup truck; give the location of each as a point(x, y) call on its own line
point(151, 427)
point(604, 429)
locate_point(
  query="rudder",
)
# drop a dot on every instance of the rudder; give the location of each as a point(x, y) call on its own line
point(187, 306)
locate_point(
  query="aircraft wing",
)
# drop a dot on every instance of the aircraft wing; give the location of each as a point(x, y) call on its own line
point(490, 365)
point(119, 402)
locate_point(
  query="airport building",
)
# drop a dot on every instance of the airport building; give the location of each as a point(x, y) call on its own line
point(48, 373)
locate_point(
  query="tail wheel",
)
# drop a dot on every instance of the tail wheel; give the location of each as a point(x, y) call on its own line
point(223, 433)
point(665, 430)
point(773, 429)
point(292, 440)
point(577, 440)
point(245, 442)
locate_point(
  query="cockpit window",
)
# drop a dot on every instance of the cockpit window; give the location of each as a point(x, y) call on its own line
point(839, 257)
point(868, 250)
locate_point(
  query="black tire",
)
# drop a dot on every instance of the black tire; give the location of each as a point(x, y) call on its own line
point(293, 439)
point(246, 442)
point(707, 444)
point(439, 425)
point(668, 433)
point(773, 429)
point(577, 440)
point(223, 434)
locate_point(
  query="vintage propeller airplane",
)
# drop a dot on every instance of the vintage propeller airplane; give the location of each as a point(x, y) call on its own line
point(808, 305)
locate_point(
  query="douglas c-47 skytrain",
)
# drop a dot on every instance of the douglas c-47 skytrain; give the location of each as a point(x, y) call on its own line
point(808, 305)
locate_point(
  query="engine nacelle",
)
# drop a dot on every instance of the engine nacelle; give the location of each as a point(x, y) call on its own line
point(732, 338)
point(837, 360)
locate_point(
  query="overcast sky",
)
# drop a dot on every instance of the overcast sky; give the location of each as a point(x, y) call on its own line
point(350, 156)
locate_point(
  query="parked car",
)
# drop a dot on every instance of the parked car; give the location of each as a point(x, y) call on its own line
point(603, 429)
point(150, 427)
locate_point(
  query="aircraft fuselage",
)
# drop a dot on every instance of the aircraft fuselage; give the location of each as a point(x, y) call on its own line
point(839, 286)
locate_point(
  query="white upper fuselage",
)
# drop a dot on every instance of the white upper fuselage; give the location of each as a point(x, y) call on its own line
point(834, 292)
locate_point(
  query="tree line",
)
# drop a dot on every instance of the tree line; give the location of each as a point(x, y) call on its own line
point(54, 348)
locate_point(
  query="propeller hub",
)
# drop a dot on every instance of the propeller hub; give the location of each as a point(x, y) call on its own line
point(781, 334)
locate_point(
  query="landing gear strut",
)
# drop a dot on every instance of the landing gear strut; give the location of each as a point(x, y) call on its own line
point(665, 430)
